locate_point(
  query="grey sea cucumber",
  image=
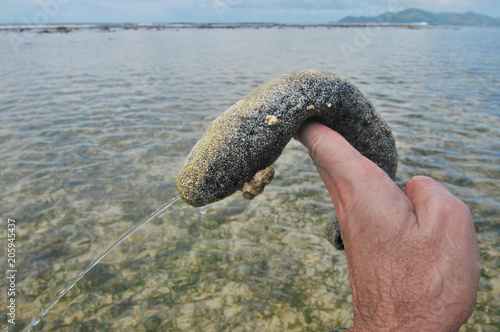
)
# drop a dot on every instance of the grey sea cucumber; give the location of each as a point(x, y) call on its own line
point(251, 134)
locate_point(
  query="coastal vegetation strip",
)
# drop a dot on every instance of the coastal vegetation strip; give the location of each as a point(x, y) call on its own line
point(61, 28)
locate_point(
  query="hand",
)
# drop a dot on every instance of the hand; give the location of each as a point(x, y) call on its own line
point(413, 257)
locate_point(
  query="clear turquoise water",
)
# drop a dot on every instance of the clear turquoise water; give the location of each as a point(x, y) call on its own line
point(95, 125)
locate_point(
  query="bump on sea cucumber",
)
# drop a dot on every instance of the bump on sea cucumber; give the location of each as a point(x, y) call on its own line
point(256, 185)
point(271, 120)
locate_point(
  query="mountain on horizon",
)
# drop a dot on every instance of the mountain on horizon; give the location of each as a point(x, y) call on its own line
point(414, 15)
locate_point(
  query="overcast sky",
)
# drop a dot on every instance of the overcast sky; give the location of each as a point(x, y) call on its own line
point(220, 11)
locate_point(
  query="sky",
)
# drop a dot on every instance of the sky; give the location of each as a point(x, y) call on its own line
point(220, 11)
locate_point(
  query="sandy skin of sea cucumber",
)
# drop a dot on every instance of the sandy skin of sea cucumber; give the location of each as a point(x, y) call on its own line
point(251, 134)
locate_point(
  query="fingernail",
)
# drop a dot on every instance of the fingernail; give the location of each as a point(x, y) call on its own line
point(417, 178)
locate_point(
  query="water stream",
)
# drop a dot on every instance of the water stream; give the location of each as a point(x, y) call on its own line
point(123, 237)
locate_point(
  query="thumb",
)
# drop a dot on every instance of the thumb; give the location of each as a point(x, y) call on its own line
point(339, 164)
point(360, 190)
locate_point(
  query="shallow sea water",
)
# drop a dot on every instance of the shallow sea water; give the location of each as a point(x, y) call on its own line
point(94, 126)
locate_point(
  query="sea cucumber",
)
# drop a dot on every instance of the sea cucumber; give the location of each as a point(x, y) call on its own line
point(251, 134)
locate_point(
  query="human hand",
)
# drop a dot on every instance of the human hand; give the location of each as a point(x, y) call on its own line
point(413, 257)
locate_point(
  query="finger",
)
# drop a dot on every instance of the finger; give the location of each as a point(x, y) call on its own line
point(432, 201)
point(320, 140)
point(366, 200)
point(445, 218)
point(417, 185)
point(334, 157)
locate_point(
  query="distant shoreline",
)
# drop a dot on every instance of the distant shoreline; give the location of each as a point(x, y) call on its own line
point(66, 28)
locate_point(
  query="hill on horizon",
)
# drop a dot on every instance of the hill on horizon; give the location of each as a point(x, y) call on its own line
point(414, 15)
